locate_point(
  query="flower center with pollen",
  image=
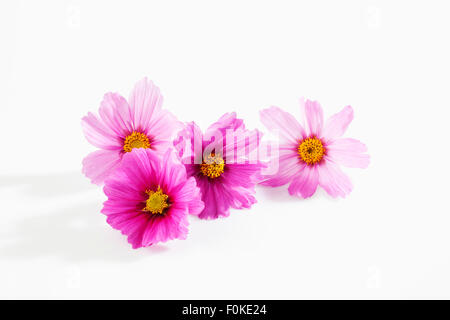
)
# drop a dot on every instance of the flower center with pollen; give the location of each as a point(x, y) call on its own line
point(212, 166)
point(311, 150)
point(136, 140)
point(156, 202)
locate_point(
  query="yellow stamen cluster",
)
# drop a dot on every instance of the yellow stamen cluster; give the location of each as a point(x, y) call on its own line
point(136, 140)
point(212, 166)
point(311, 150)
point(157, 201)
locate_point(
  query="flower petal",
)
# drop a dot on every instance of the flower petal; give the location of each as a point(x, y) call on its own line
point(305, 182)
point(314, 117)
point(142, 167)
point(164, 228)
point(349, 152)
point(214, 207)
point(145, 102)
point(99, 164)
point(333, 180)
point(172, 172)
point(100, 135)
point(337, 124)
point(275, 119)
point(288, 166)
point(227, 121)
point(242, 175)
point(161, 130)
point(115, 113)
point(188, 145)
point(192, 195)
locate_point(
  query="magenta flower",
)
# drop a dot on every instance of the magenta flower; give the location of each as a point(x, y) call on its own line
point(123, 126)
point(149, 198)
point(310, 156)
point(220, 160)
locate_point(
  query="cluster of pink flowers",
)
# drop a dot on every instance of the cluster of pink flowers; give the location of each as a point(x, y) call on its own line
point(157, 170)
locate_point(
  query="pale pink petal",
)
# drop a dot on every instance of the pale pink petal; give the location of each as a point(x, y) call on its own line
point(333, 180)
point(188, 139)
point(100, 135)
point(305, 183)
point(161, 130)
point(240, 197)
point(276, 119)
point(337, 124)
point(115, 113)
point(349, 152)
point(288, 165)
point(241, 146)
point(145, 102)
point(99, 164)
point(227, 121)
point(314, 117)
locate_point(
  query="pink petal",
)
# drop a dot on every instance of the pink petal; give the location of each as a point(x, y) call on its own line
point(349, 152)
point(333, 180)
point(242, 147)
point(288, 166)
point(242, 175)
point(314, 117)
point(337, 124)
point(192, 195)
point(161, 229)
point(305, 182)
point(188, 145)
point(99, 164)
point(219, 198)
point(172, 172)
point(115, 113)
point(276, 119)
point(161, 130)
point(100, 135)
point(141, 167)
point(227, 121)
point(145, 102)
point(214, 207)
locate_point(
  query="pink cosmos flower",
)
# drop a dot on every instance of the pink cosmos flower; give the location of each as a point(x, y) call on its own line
point(220, 160)
point(149, 198)
point(310, 155)
point(123, 126)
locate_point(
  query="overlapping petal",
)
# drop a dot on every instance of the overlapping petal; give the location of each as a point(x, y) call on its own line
point(275, 119)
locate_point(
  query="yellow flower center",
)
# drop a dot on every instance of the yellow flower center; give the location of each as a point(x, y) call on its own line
point(212, 166)
point(136, 140)
point(311, 150)
point(156, 202)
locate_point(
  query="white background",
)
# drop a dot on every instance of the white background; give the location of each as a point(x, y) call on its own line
point(388, 59)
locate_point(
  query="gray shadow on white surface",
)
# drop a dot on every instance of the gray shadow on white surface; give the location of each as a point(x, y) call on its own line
point(77, 233)
point(51, 185)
